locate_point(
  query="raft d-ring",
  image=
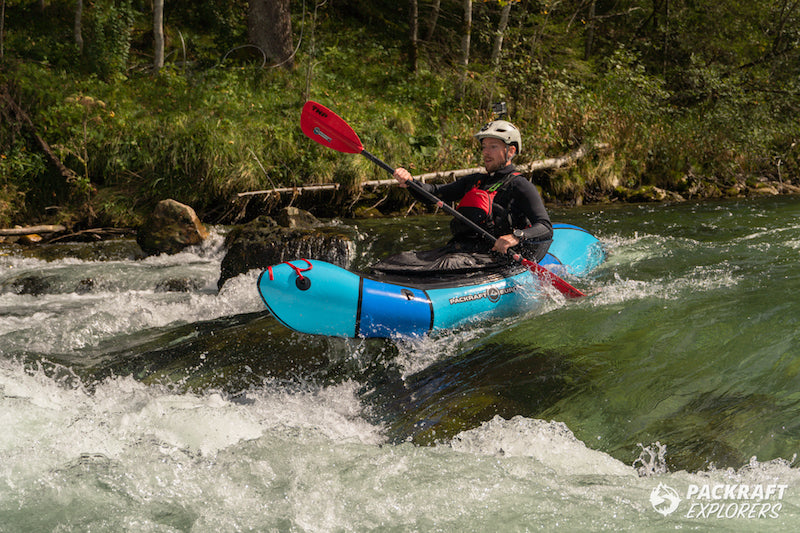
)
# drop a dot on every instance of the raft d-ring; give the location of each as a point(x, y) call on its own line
point(302, 282)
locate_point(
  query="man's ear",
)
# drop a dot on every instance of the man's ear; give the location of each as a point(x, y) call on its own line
point(512, 151)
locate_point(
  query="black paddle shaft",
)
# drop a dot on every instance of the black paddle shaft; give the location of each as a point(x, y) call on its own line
point(433, 198)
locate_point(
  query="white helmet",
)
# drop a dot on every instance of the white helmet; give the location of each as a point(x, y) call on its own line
point(503, 130)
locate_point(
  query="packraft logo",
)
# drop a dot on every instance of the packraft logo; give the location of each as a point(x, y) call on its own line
point(493, 294)
point(664, 499)
point(720, 501)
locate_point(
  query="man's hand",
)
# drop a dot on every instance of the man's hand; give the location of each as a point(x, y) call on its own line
point(502, 244)
point(402, 176)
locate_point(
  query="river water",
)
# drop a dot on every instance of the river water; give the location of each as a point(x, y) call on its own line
point(668, 399)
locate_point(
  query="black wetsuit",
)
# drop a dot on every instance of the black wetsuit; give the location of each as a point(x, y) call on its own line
point(517, 205)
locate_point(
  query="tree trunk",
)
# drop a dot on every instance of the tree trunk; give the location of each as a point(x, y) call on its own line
point(312, 52)
point(466, 32)
point(413, 52)
point(589, 42)
point(2, 26)
point(269, 27)
point(665, 51)
point(76, 28)
point(501, 30)
point(434, 18)
point(158, 34)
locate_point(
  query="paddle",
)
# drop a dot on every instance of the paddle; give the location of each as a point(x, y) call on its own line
point(327, 128)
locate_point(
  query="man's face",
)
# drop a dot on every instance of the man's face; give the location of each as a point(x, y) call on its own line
point(496, 154)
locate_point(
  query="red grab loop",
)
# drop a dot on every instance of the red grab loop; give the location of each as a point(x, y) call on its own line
point(297, 270)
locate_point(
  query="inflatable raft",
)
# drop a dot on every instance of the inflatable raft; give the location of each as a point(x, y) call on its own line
point(319, 298)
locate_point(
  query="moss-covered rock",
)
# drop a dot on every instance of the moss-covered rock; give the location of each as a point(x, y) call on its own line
point(647, 193)
point(264, 242)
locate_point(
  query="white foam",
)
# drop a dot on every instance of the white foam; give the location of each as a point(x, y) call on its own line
point(47, 421)
point(550, 444)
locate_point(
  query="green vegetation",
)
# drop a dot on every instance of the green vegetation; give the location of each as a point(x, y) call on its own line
point(700, 98)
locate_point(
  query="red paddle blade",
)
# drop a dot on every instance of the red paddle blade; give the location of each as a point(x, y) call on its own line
point(322, 125)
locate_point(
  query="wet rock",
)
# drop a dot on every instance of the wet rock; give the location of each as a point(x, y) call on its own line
point(111, 250)
point(32, 285)
point(85, 286)
point(263, 242)
point(178, 285)
point(367, 212)
point(170, 228)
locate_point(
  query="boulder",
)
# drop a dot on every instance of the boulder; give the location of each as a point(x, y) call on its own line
point(179, 285)
point(85, 286)
point(293, 217)
point(171, 227)
point(647, 193)
point(29, 239)
point(33, 285)
point(263, 242)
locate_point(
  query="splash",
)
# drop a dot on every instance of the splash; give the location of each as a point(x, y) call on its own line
point(550, 444)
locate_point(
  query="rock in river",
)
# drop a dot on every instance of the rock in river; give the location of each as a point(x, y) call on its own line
point(171, 227)
point(264, 242)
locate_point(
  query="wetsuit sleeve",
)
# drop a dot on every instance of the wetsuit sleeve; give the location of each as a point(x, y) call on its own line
point(529, 202)
point(448, 192)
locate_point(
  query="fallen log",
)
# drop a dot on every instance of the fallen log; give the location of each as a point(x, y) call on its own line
point(29, 230)
point(94, 234)
point(280, 190)
point(448, 175)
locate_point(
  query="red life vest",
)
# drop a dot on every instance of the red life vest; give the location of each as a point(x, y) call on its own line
point(480, 198)
point(477, 203)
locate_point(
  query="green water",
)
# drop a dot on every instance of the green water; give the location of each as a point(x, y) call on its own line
point(701, 351)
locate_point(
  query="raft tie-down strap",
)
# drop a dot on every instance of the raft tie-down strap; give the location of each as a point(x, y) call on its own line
point(297, 270)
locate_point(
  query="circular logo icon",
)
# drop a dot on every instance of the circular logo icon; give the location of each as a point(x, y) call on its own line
point(493, 294)
point(664, 499)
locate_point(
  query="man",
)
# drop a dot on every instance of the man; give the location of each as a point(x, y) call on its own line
point(501, 201)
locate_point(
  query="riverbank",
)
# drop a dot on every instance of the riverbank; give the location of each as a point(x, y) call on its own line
point(368, 206)
point(378, 202)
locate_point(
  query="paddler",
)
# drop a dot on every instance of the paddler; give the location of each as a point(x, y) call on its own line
point(501, 200)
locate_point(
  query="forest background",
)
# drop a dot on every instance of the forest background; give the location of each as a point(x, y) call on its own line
point(109, 106)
